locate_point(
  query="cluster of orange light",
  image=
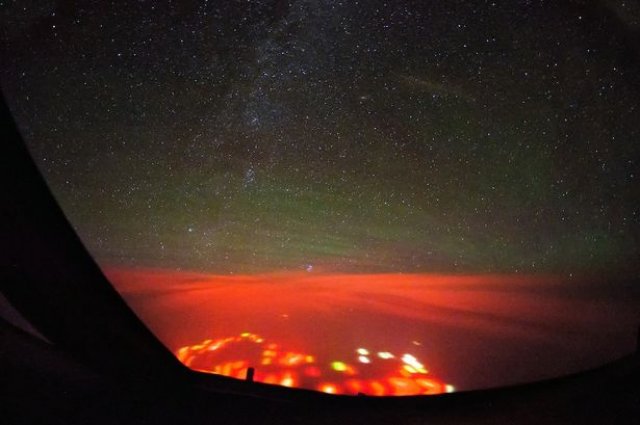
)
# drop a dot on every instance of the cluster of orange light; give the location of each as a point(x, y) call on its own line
point(233, 356)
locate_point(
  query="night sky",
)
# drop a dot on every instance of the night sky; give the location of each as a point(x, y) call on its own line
point(337, 136)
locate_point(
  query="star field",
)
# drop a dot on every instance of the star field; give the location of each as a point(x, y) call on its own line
point(402, 136)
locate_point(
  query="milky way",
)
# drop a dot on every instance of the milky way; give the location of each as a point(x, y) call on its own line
point(401, 136)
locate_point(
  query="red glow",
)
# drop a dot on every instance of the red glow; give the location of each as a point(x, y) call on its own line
point(284, 368)
point(459, 327)
point(312, 372)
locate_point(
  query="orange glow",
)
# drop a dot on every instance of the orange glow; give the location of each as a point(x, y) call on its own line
point(350, 371)
point(408, 369)
point(431, 386)
point(182, 353)
point(292, 359)
point(288, 380)
point(270, 379)
point(188, 360)
point(404, 386)
point(329, 388)
point(312, 372)
point(338, 316)
point(377, 388)
point(294, 369)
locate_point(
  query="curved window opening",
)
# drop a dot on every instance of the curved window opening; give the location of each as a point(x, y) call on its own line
point(390, 198)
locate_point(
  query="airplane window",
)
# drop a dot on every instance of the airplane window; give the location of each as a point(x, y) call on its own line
point(376, 197)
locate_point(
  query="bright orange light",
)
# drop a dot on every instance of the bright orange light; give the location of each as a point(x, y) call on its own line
point(329, 388)
point(294, 369)
point(182, 353)
point(288, 380)
point(292, 359)
point(214, 347)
